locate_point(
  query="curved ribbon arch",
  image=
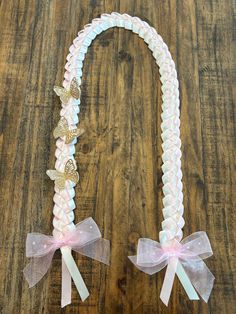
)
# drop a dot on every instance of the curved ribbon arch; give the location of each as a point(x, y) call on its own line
point(172, 174)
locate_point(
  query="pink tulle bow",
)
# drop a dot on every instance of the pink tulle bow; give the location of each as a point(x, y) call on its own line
point(184, 258)
point(85, 239)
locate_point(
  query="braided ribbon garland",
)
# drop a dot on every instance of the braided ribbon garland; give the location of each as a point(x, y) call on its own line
point(185, 258)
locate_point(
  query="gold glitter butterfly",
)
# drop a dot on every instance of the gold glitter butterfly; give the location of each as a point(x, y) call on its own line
point(66, 94)
point(60, 178)
point(62, 129)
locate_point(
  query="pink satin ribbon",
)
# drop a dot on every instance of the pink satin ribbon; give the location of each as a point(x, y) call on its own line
point(184, 258)
point(85, 239)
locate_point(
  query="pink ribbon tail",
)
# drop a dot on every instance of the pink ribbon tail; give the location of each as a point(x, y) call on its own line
point(40, 249)
point(200, 276)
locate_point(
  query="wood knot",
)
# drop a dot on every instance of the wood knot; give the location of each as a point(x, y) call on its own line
point(133, 237)
point(121, 283)
point(85, 148)
point(124, 56)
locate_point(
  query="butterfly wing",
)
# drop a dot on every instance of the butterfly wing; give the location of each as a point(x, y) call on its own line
point(60, 182)
point(61, 128)
point(58, 177)
point(70, 171)
point(62, 93)
point(71, 134)
point(74, 89)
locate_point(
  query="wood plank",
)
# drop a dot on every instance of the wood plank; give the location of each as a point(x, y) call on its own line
point(119, 156)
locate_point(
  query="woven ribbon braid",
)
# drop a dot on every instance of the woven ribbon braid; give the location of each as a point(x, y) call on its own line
point(172, 174)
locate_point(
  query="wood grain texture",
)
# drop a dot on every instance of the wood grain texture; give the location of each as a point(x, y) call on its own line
point(119, 156)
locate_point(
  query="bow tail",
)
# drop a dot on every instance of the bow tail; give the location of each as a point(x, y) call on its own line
point(98, 250)
point(186, 283)
point(37, 268)
point(200, 276)
point(174, 266)
point(168, 280)
point(73, 270)
point(65, 285)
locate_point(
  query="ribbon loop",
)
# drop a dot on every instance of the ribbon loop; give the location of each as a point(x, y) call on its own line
point(197, 243)
point(37, 268)
point(184, 258)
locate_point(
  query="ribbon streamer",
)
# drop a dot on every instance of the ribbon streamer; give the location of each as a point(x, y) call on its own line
point(85, 239)
point(184, 258)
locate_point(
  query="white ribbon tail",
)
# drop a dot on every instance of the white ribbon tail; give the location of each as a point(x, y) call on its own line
point(168, 280)
point(174, 266)
point(74, 272)
point(186, 283)
point(65, 285)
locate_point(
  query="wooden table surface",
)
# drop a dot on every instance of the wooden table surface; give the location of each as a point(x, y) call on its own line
point(119, 156)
